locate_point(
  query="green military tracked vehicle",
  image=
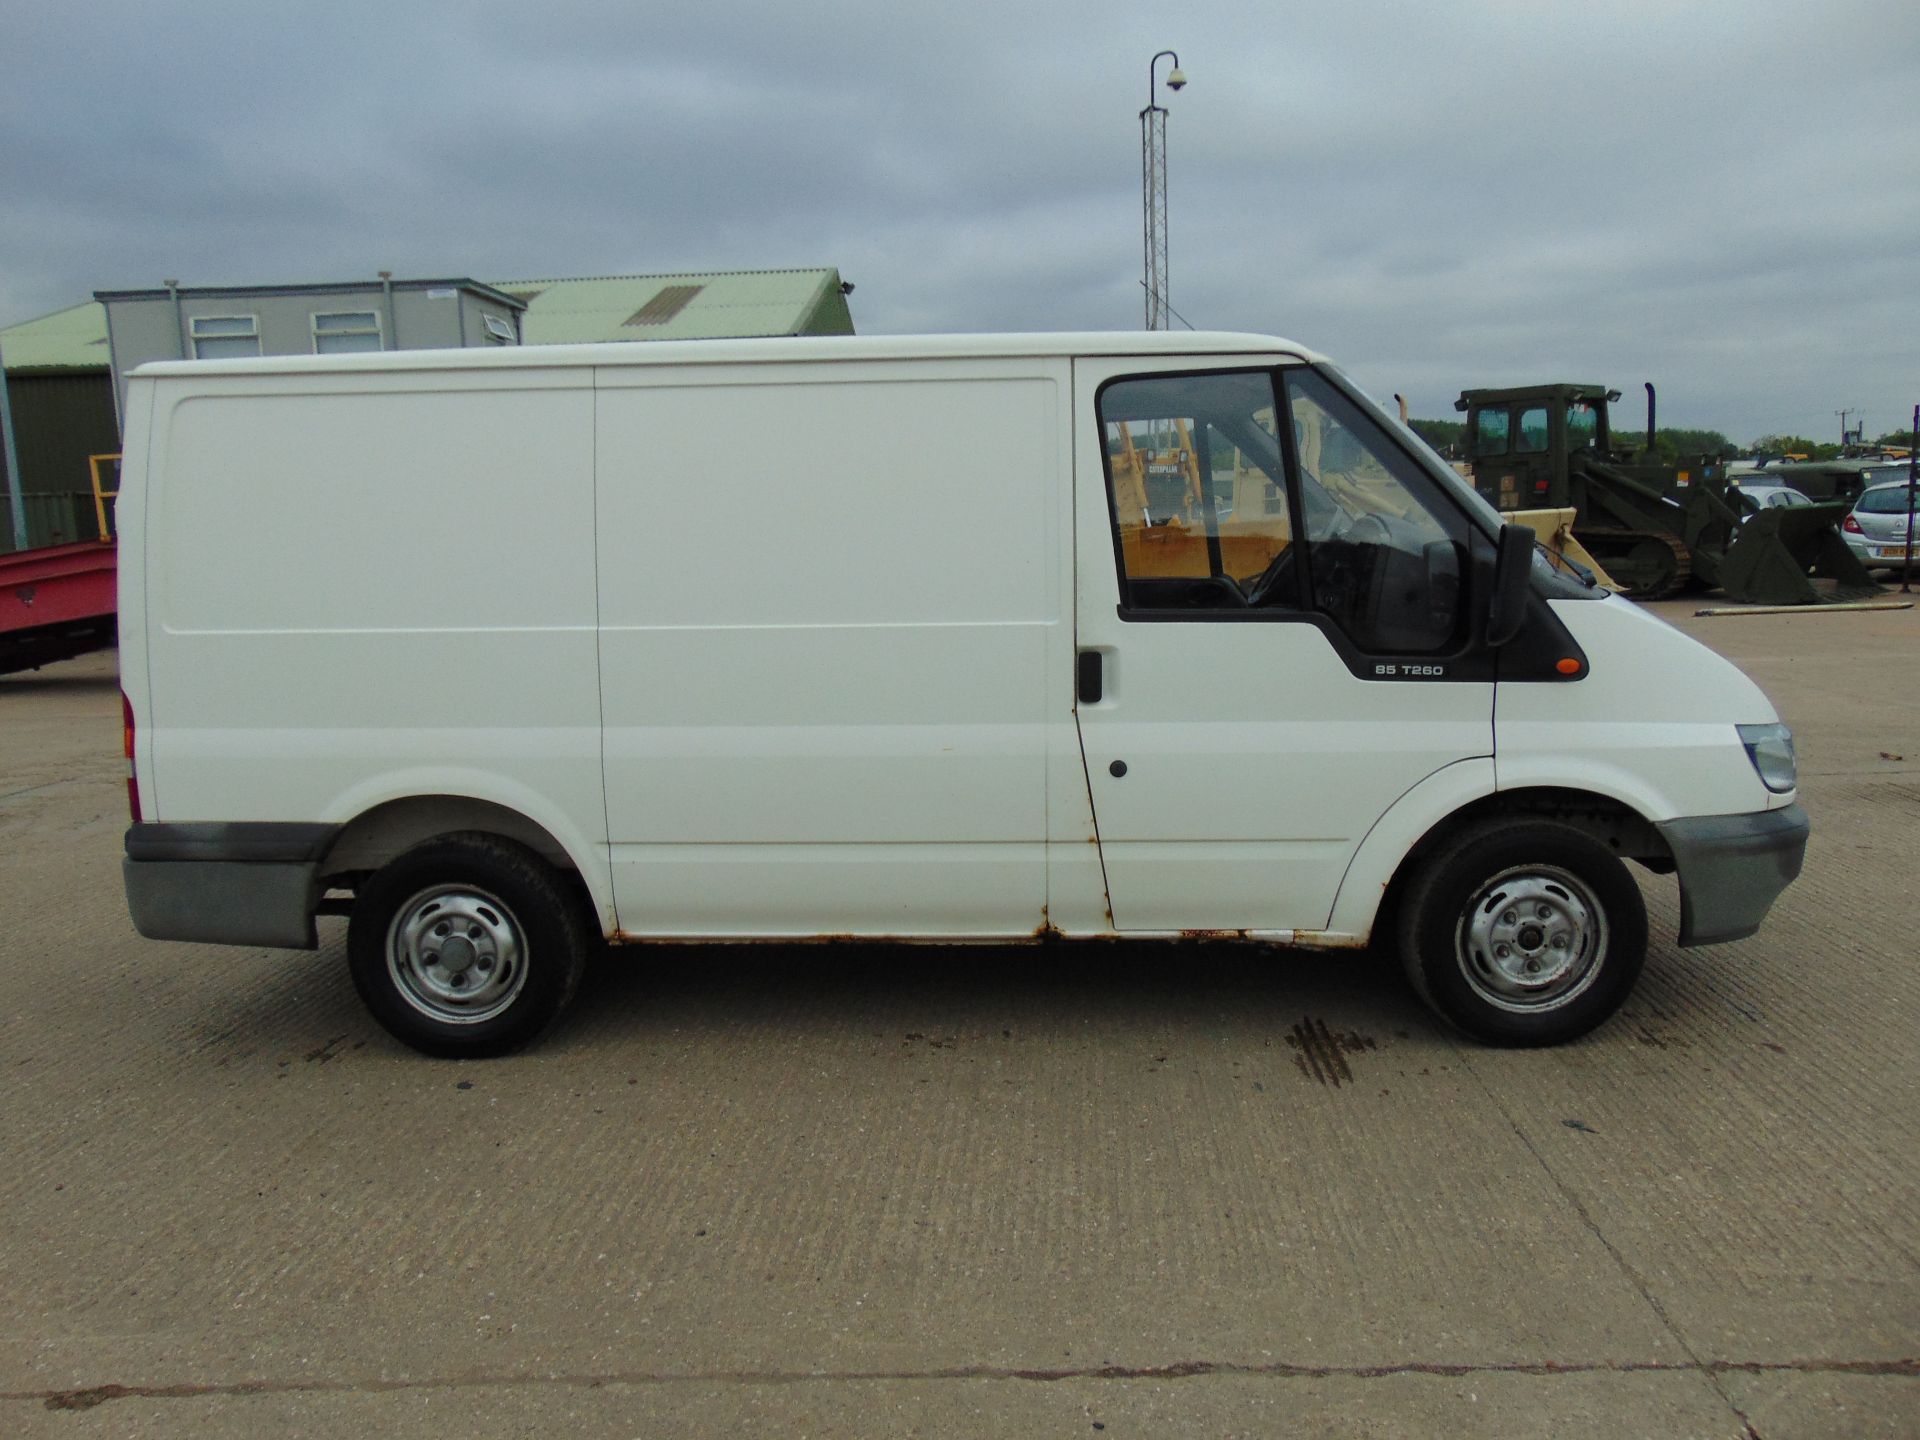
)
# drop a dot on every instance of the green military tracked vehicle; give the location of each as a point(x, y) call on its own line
point(1655, 527)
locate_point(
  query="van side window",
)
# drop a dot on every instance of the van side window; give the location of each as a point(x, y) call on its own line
point(1387, 549)
point(1197, 489)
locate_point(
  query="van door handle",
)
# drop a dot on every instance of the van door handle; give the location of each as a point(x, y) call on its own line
point(1089, 680)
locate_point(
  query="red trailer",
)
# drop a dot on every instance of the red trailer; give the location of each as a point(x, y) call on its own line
point(56, 602)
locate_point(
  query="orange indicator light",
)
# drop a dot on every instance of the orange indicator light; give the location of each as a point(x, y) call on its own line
point(1568, 666)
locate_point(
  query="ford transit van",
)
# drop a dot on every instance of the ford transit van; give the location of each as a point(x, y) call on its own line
point(500, 654)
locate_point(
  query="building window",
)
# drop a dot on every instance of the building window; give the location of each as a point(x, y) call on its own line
point(346, 332)
point(222, 337)
point(499, 332)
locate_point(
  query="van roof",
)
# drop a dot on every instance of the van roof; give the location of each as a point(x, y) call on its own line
point(756, 351)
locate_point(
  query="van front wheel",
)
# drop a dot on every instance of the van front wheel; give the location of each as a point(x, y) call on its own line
point(468, 945)
point(1523, 932)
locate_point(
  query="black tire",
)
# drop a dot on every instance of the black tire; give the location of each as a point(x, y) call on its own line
point(468, 945)
point(1523, 932)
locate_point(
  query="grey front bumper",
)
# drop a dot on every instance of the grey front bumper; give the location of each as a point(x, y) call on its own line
point(1732, 868)
point(226, 884)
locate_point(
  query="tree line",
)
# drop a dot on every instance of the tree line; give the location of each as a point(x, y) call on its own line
point(1673, 443)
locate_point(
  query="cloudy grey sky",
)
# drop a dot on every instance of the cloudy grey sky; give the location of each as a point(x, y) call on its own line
point(1720, 196)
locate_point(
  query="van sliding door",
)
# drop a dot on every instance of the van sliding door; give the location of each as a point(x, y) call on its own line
point(827, 594)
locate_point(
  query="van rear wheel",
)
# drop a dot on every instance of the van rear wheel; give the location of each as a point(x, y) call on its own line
point(468, 945)
point(1523, 932)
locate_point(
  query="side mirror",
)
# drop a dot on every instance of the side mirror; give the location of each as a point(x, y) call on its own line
point(1512, 571)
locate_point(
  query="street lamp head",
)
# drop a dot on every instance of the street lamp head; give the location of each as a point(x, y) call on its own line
point(1176, 79)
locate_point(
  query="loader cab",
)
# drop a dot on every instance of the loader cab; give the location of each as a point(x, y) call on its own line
point(1519, 440)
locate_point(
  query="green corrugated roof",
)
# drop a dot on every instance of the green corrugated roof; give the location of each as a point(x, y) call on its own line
point(72, 339)
point(727, 304)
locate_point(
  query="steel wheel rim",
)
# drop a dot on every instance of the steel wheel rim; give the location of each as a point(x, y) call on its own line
point(456, 954)
point(1532, 939)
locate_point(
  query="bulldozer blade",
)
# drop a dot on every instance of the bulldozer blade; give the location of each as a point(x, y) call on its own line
point(1555, 529)
point(1711, 527)
point(1776, 552)
point(1836, 562)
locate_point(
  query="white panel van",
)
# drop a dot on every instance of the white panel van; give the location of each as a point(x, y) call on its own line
point(978, 638)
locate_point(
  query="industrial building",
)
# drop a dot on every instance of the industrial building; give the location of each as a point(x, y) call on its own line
point(716, 305)
point(61, 368)
point(60, 400)
point(205, 322)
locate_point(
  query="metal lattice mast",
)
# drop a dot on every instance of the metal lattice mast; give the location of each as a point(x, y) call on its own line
point(1153, 193)
point(1153, 190)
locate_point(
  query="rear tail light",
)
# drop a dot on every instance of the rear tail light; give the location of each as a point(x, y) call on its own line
point(126, 734)
point(1851, 526)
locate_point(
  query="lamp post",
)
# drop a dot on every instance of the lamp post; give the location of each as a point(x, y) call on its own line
point(1153, 185)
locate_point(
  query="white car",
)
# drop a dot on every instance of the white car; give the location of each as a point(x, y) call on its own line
point(1877, 529)
point(1770, 497)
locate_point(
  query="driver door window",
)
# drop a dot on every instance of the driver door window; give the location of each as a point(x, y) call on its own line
point(1206, 524)
point(1197, 489)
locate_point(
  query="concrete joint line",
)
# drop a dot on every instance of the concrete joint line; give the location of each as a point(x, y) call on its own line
point(85, 1398)
point(41, 789)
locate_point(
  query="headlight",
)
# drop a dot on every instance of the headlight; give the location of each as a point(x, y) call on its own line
point(1770, 747)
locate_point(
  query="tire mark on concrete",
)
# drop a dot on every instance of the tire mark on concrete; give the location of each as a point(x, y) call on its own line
point(1321, 1054)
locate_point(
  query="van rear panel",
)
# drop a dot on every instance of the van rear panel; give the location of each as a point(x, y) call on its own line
point(364, 587)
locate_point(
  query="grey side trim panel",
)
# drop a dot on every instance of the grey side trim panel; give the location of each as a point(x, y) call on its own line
point(223, 902)
point(1732, 868)
point(253, 841)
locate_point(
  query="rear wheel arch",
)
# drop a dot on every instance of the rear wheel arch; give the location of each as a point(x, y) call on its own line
point(378, 836)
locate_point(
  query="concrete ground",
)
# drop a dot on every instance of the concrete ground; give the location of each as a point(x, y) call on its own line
point(1143, 1192)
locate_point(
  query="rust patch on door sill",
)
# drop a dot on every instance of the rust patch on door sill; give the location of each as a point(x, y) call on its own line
point(1329, 940)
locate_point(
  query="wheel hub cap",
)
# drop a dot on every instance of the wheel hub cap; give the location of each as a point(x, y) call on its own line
point(456, 954)
point(1532, 938)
